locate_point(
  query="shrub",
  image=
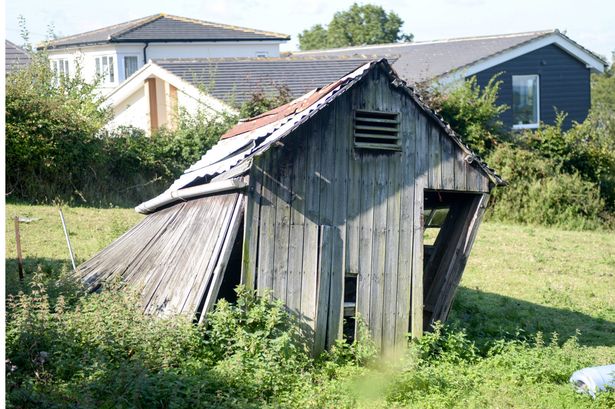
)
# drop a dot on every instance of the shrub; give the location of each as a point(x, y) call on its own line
point(57, 149)
point(539, 192)
point(472, 112)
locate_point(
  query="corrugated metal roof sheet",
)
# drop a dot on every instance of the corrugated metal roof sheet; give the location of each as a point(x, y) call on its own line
point(254, 136)
point(163, 28)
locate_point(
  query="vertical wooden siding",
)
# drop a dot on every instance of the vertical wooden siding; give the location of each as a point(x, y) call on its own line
point(362, 209)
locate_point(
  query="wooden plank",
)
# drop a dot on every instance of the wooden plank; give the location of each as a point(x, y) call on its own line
point(282, 223)
point(251, 226)
point(325, 250)
point(212, 296)
point(342, 138)
point(368, 174)
point(389, 307)
point(475, 214)
point(460, 169)
point(297, 218)
point(309, 280)
point(448, 159)
point(406, 225)
point(378, 250)
point(421, 175)
point(264, 278)
point(435, 157)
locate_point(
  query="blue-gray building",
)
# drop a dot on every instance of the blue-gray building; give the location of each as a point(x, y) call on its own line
point(542, 72)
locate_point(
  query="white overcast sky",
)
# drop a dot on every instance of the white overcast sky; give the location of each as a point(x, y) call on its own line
point(589, 22)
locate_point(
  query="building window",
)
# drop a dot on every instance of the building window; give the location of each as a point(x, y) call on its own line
point(526, 101)
point(262, 54)
point(105, 69)
point(131, 64)
point(60, 68)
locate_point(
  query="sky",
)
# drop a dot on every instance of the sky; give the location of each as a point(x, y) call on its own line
point(589, 22)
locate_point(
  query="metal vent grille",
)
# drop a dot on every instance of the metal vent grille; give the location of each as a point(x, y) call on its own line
point(376, 130)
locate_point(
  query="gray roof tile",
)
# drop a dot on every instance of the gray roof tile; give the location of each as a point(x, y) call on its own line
point(164, 27)
point(15, 57)
point(235, 80)
point(420, 61)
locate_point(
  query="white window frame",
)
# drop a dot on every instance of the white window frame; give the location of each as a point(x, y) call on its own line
point(126, 76)
point(60, 66)
point(537, 124)
point(106, 76)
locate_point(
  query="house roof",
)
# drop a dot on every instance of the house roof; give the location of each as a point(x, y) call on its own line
point(428, 60)
point(15, 57)
point(235, 80)
point(232, 155)
point(165, 28)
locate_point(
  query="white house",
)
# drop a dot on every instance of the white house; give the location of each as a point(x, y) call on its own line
point(116, 52)
point(153, 96)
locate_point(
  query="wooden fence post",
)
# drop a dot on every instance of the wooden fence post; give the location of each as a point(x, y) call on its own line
point(18, 243)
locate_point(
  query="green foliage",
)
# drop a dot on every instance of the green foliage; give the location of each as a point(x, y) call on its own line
point(603, 90)
point(359, 25)
point(587, 149)
point(261, 102)
point(57, 149)
point(539, 192)
point(472, 112)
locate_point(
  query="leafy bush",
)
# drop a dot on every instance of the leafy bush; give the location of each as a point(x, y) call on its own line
point(472, 112)
point(260, 102)
point(587, 149)
point(56, 147)
point(539, 192)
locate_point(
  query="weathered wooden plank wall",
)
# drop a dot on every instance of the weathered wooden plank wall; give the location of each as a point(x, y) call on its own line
point(363, 208)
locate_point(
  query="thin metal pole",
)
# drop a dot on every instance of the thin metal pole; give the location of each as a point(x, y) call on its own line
point(70, 249)
point(18, 243)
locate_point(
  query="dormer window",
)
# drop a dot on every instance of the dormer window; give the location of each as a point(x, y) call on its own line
point(105, 69)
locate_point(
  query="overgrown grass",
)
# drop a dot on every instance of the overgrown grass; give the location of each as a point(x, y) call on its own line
point(522, 284)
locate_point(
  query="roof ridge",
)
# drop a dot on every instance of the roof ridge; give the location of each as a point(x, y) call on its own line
point(265, 59)
point(147, 20)
point(69, 37)
point(229, 26)
point(426, 42)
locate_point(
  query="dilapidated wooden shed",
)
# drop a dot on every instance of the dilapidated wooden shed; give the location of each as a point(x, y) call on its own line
point(356, 199)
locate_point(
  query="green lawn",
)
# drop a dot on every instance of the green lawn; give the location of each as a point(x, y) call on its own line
point(520, 280)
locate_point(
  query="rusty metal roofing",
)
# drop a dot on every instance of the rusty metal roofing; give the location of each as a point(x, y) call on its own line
point(232, 155)
point(165, 28)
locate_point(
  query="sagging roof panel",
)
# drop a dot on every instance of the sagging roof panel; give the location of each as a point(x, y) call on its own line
point(175, 257)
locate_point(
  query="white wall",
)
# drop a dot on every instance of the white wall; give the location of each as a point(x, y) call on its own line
point(133, 111)
point(85, 57)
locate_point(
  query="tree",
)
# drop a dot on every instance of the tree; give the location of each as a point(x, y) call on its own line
point(359, 25)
